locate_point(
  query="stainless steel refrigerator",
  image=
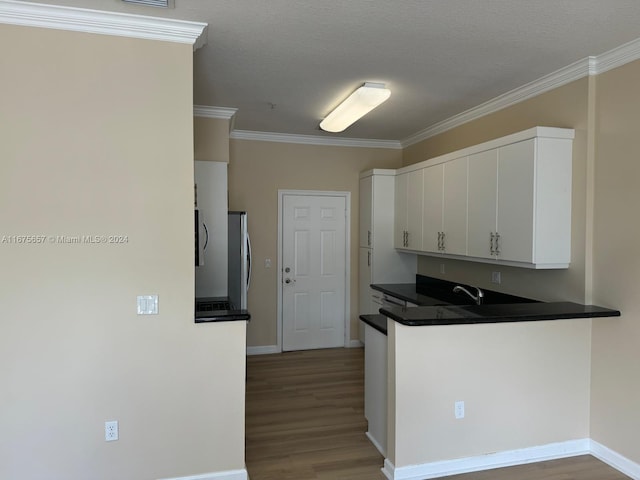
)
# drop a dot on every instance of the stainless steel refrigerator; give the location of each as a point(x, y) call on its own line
point(239, 258)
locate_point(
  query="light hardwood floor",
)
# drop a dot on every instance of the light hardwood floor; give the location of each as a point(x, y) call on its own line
point(305, 421)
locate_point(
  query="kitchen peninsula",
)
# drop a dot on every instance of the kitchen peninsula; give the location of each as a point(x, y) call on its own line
point(521, 369)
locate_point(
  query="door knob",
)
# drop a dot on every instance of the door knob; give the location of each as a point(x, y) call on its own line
point(287, 269)
point(287, 280)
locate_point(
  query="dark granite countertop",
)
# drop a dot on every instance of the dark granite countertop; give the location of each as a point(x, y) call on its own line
point(428, 292)
point(222, 316)
point(377, 321)
point(514, 312)
point(218, 309)
point(438, 305)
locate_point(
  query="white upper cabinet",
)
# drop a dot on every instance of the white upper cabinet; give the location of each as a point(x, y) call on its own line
point(454, 212)
point(444, 209)
point(366, 206)
point(505, 201)
point(515, 225)
point(433, 181)
point(408, 211)
point(482, 203)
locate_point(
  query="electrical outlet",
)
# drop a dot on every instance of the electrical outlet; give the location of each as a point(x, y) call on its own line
point(111, 430)
point(267, 263)
point(496, 277)
point(459, 409)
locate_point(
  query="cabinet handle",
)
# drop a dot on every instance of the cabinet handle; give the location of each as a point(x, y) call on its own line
point(368, 259)
point(439, 237)
point(491, 249)
point(497, 243)
point(443, 241)
point(407, 241)
point(369, 238)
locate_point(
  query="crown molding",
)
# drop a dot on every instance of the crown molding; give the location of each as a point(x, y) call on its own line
point(549, 82)
point(104, 23)
point(627, 53)
point(594, 65)
point(314, 140)
point(221, 113)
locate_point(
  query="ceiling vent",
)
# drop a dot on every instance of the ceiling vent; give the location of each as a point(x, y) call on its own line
point(153, 3)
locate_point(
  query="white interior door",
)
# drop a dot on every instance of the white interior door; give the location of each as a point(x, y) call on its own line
point(313, 271)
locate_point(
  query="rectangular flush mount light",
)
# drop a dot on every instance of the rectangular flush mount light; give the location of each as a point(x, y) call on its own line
point(356, 105)
point(153, 3)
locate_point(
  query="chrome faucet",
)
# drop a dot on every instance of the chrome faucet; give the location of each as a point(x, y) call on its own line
point(476, 298)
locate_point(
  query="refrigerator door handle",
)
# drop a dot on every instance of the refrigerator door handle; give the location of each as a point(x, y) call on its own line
point(248, 261)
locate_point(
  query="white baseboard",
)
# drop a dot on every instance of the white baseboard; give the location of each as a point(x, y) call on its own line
point(487, 462)
point(615, 460)
point(376, 444)
point(263, 350)
point(355, 344)
point(228, 475)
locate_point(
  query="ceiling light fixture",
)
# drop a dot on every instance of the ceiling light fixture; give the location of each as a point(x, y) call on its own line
point(153, 3)
point(355, 106)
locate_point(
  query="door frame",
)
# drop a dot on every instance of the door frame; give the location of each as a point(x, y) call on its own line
point(347, 239)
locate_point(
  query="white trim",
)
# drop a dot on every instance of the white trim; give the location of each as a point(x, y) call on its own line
point(263, 350)
point(594, 65)
point(376, 444)
point(221, 113)
point(549, 82)
point(478, 463)
point(228, 475)
point(103, 23)
point(347, 286)
point(615, 460)
point(314, 140)
point(616, 57)
point(355, 344)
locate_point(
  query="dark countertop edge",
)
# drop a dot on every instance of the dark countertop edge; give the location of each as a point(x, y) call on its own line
point(439, 292)
point(377, 321)
point(223, 316)
point(429, 315)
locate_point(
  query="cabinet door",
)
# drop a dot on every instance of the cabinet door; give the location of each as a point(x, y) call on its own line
point(400, 218)
point(482, 203)
point(366, 196)
point(364, 279)
point(432, 208)
point(454, 211)
point(414, 210)
point(515, 201)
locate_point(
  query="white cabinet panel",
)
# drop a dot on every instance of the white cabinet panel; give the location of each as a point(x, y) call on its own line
point(414, 210)
point(400, 204)
point(408, 223)
point(454, 209)
point(515, 222)
point(433, 181)
point(375, 387)
point(482, 203)
point(366, 206)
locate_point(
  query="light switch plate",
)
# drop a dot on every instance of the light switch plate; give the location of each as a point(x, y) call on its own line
point(147, 304)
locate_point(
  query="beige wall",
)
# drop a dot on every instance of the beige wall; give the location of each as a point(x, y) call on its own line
point(524, 384)
point(256, 172)
point(565, 107)
point(211, 139)
point(97, 139)
point(615, 396)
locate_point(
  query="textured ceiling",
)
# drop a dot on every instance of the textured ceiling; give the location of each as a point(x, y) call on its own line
point(284, 64)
